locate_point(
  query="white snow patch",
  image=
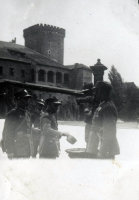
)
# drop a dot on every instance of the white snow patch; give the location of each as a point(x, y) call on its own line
point(79, 179)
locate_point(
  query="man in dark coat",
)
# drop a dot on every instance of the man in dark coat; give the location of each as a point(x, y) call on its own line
point(16, 132)
point(104, 122)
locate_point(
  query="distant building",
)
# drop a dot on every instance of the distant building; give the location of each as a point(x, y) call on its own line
point(41, 59)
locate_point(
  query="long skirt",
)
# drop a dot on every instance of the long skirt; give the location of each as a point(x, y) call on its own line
point(93, 142)
point(48, 147)
point(22, 146)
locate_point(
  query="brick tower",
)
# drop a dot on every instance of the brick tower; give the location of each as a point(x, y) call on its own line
point(47, 40)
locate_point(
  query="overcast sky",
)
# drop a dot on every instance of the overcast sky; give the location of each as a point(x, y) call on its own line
point(105, 29)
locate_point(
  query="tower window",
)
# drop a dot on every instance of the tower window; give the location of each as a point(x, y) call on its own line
point(41, 75)
point(11, 71)
point(1, 70)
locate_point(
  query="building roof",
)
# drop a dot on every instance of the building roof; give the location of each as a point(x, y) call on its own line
point(39, 87)
point(78, 66)
point(12, 51)
point(130, 85)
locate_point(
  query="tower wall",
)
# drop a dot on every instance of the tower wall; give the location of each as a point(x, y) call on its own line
point(47, 40)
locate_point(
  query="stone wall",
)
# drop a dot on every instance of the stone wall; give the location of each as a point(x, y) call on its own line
point(69, 110)
point(80, 75)
point(15, 70)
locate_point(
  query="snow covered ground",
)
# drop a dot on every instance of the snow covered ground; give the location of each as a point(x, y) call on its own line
point(77, 179)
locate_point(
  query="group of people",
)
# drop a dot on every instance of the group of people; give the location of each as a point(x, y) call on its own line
point(31, 128)
point(101, 119)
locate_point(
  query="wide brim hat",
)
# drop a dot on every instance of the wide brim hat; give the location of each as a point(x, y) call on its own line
point(22, 94)
point(41, 102)
point(53, 100)
point(3, 93)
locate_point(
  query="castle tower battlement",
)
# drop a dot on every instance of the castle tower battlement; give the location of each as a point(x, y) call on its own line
point(47, 40)
point(46, 27)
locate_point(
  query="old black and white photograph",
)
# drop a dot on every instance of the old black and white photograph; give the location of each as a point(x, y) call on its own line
point(69, 99)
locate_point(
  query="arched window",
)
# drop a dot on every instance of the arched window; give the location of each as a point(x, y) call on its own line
point(50, 76)
point(66, 79)
point(32, 75)
point(58, 77)
point(41, 75)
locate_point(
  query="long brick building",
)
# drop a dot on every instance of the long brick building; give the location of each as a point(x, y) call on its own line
point(41, 60)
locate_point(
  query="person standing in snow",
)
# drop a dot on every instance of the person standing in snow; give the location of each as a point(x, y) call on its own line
point(16, 132)
point(104, 122)
point(49, 142)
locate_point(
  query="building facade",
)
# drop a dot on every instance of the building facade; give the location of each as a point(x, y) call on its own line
point(41, 60)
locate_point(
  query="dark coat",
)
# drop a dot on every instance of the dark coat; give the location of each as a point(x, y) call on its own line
point(49, 143)
point(15, 133)
point(104, 124)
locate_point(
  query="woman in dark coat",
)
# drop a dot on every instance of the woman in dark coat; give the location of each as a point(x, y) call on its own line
point(104, 122)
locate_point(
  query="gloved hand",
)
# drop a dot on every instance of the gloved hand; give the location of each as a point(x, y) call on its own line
point(71, 139)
